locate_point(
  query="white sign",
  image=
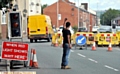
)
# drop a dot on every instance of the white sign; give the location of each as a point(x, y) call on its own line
point(59, 16)
point(3, 16)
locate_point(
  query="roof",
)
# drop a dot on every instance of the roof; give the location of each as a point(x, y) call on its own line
point(117, 18)
point(88, 11)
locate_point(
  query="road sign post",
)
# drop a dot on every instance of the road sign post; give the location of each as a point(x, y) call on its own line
point(81, 41)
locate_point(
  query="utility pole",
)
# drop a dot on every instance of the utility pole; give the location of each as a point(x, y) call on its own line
point(78, 14)
point(97, 15)
point(57, 13)
point(89, 15)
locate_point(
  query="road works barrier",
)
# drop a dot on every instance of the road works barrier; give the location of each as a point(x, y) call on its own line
point(105, 38)
point(57, 39)
point(53, 39)
point(89, 36)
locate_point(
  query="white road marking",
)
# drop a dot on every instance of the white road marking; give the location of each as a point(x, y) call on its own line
point(111, 68)
point(92, 60)
point(81, 55)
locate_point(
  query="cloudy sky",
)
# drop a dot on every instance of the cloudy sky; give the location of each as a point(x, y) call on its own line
point(94, 4)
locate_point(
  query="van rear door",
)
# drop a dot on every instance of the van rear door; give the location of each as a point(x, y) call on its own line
point(32, 25)
point(41, 25)
point(37, 26)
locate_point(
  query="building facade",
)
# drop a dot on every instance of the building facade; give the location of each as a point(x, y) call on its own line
point(67, 9)
point(27, 8)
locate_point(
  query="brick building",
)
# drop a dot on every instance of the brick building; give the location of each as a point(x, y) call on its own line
point(117, 20)
point(67, 9)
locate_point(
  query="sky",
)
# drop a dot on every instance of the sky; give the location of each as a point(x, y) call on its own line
point(93, 4)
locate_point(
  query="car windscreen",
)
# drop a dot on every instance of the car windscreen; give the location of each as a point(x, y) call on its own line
point(118, 29)
point(81, 29)
point(60, 27)
point(105, 28)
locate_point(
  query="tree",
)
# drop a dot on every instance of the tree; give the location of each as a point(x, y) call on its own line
point(3, 3)
point(43, 6)
point(108, 16)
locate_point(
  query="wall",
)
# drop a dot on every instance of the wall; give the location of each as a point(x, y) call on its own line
point(68, 10)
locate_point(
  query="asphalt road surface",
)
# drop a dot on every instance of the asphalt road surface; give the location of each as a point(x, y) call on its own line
point(81, 61)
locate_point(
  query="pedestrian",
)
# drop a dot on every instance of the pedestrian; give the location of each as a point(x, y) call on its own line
point(66, 45)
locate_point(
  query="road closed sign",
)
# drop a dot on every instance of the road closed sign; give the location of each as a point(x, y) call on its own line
point(14, 51)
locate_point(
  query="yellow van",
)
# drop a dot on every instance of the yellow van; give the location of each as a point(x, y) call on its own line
point(39, 27)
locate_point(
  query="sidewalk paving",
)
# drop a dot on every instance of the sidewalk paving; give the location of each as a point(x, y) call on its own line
point(3, 65)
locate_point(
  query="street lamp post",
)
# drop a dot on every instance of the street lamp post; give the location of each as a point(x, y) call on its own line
point(89, 15)
point(57, 12)
point(78, 13)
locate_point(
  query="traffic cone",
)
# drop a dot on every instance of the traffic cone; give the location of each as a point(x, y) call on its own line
point(31, 58)
point(94, 46)
point(35, 63)
point(110, 47)
point(56, 43)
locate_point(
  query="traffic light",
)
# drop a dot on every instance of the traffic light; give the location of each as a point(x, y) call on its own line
point(15, 24)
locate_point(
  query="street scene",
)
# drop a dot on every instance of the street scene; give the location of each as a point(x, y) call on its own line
point(59, 37)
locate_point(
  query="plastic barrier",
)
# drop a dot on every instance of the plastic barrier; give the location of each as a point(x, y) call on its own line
point(89, 36)
point(118, 33)
point(59, 38)
point(54, 36)
point(105, 38)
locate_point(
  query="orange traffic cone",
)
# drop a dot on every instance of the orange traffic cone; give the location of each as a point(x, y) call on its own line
point(31, 58)
point(110, 47)
point(56, 43)
point(94, 46)
point(35, 63)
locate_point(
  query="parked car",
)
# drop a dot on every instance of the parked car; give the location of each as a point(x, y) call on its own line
point(105, 29)
point(82, 29)
point(95, 29)
point(54, 29)
point(61, 28)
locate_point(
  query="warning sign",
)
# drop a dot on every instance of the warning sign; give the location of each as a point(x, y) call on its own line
point(14, 51)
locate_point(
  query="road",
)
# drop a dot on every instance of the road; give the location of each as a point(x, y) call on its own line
point(81, 61)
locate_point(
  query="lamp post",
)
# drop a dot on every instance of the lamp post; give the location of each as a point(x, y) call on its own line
point(89, 15)
point(57, 13)
point(78, 14)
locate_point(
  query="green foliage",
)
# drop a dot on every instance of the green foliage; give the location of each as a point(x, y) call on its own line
point(108, 16)
point(3, 3)
point(75, 29)
point(43, 6)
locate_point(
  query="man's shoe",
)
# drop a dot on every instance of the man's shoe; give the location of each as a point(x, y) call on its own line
point(67, 67)
point(62, 67)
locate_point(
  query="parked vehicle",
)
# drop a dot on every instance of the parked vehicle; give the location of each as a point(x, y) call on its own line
point(39, 27)
point(105, 29)
point(61, 28)
point(95, 29)
point(82, 29)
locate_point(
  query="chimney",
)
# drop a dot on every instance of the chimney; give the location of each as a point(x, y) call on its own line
point(85, 5)
point(69, 2)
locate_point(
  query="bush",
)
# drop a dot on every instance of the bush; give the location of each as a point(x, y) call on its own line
point(75, 29)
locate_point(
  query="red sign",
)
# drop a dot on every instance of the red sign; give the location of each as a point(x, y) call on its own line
point(14, 51)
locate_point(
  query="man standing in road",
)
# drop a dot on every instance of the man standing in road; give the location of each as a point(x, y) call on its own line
point(66, 45)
